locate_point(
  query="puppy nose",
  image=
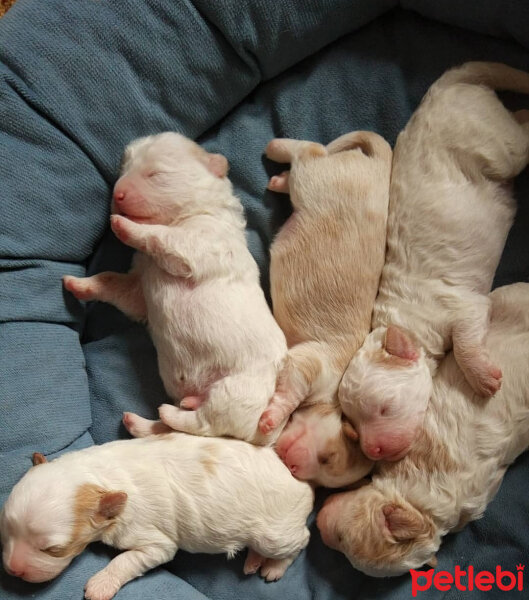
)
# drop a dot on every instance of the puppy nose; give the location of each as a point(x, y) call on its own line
point(293, 468)
point(14, 572)
point(374, 451)
point(119, 196)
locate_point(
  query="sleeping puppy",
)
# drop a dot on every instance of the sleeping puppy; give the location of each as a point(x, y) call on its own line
point(141, 496)
point(451, 208)
point(325, 269)
point(196, 285)
point(455, 465)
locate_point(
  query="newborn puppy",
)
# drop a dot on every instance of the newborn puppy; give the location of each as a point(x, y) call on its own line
point(196, 285)
point(450, 212)
point(325, 268)
point(151, 497)
point(455, 465)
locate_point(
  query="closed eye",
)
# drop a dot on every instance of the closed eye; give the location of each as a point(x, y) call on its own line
point(56, 551)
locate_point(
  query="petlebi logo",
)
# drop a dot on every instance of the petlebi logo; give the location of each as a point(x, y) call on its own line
point(468, 580)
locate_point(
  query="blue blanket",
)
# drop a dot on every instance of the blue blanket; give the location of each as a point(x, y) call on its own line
point(78, 81)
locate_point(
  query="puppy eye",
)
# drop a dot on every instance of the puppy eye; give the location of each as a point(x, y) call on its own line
point(325, 459)
point(54, 550)
point(152, 174)
point(339, 537)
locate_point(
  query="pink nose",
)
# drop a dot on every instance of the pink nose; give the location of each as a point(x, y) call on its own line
point(373, 451)
point(15, 572)
point(119, 196)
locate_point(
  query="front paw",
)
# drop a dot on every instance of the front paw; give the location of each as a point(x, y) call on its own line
point(273, 416)
point(80, 287)
point(101, 587)
point(487, 381)
point(125, 230)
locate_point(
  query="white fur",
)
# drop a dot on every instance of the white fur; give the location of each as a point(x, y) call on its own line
point(183, 492)
point(196, 284)
point(449, 215)
point(480, 439)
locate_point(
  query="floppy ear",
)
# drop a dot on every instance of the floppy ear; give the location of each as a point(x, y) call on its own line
point(349, 431)
point(404, 524)
point(111, 504)
point(398, 342)
point(38, 459)
point(218, 165)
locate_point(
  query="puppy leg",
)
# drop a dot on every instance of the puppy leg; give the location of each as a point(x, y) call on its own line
point(273, 568)
point(139, 427)
point(468, 335)
point(253, 562)
point(123, 290)
point(125, 567)
point(302, 368)
point(188, 421)
point(280, 183)
point(285, 150)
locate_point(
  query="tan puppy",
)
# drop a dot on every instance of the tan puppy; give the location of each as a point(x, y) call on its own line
point(325, 268)
point(455, 466)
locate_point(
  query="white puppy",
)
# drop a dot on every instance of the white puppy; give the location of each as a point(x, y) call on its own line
point(324, 273)
point(455, 466)
point(196, 285)
point(151, 497)
point(449, 215)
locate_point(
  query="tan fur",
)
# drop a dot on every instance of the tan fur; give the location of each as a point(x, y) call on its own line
point(209, 459)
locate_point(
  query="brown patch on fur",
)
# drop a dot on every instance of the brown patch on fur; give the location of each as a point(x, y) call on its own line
point(209, 459)
point(369, 540)
point(341, 453)
point(89, 520)
point(390, 361)
point(427, 454)
point(312, 150)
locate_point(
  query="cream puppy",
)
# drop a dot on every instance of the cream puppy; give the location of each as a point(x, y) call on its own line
point(324, 272)
point(450, 212)
point(141, 496)
point(196, 285)
point(455, 465)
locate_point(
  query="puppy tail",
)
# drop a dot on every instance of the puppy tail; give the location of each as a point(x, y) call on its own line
point(370, 143)
point(496, 76)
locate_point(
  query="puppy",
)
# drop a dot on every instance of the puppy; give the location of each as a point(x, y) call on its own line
point(455, 465)
point(450, 212)
point(325, 269)
point(196, 285)
point(141, 496)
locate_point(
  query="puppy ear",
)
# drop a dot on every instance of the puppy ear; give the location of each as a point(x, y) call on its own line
point(432, 562)
point(218, 165)
point(398, 342)
point(349, 431)
point(38, 459)
point(404, 524)
point(111, 504)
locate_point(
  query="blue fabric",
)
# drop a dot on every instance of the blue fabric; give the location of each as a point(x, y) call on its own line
point(79, 80)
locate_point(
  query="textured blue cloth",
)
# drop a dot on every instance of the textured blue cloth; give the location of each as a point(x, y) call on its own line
point(78, 81)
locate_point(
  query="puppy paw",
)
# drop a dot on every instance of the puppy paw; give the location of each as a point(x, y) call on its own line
point(101, 587)
point(486, 381)
point(125, 230)
point(253, 562)
point(280, 183)
point(191, 402)
point(274, 569)
point(273, 416)
point(169, 415)
point(79, 287)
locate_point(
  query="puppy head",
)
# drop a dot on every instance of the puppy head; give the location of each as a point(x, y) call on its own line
point(385, 392)
point(166, 176)
point(50, 517)
point(380, 535)
point(318, 447)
